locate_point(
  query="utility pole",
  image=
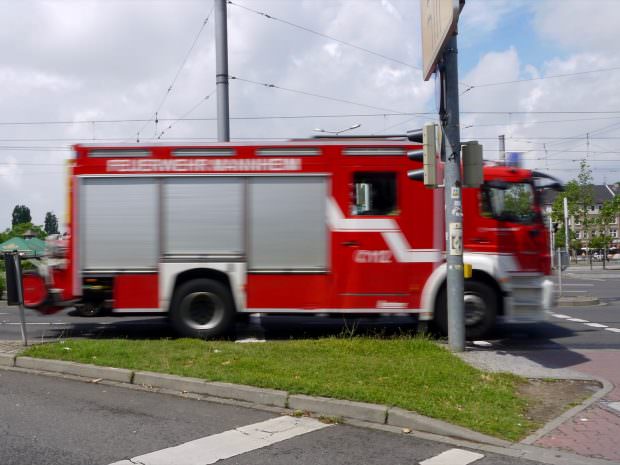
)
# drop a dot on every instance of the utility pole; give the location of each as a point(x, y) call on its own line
point(221, 71)
point(502, 149)
point(566, 235)
point(449, 115)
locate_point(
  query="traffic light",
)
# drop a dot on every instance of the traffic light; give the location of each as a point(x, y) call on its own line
point(471, 155)
point(427, 136)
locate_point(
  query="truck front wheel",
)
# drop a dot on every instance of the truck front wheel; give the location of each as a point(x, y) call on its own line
point(480, 307)
point(202, 308)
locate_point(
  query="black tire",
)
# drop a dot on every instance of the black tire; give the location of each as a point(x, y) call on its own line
point(90, 309)
point(202, 308)
point(480, 310)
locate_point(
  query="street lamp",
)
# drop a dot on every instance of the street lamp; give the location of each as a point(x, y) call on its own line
point(337, 133)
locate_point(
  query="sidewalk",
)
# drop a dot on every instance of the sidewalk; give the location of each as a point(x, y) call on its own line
point(593, 431)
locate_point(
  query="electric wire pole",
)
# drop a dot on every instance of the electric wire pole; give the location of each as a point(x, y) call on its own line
point(452, 190)
point(221, 71)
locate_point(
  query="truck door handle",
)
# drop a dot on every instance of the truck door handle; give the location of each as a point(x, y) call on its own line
point(480, 240)
point(350, 243)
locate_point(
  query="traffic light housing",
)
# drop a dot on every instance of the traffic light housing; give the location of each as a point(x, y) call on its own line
point(471, 156)
point(427, 136)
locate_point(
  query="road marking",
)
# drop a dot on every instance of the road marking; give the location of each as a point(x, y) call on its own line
point(573, 284)
point(596, 325)
point(577, 320)
point(559, 315)
point(613, 330)
point(615, 406)
point(453, 457)
point(230, 443)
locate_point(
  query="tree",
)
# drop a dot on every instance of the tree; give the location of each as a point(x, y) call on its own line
point(20, 229)
point(51, 224)
point(21, 214)
point(580, 195)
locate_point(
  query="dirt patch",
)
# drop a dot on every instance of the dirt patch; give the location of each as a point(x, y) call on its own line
point(548, 399)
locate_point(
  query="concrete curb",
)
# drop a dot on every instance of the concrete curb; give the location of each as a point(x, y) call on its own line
point(78, 369)
point(333, 407)
point(226, 390)
point(406, 419)
point(553, 424)
point(7, 360)
point(371, 413)
point(581, 301)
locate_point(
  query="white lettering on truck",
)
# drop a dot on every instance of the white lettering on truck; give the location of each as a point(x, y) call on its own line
point(188, 165)
point(372, 256)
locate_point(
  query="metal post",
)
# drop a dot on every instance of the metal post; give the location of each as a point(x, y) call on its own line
point(551, 240)
point(20, 297)
point(560, 270)
point(221, 71)
point(452, 191)
point(566, 239)
point(502, 149)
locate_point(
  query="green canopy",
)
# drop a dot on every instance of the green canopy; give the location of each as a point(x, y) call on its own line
point(30, 247)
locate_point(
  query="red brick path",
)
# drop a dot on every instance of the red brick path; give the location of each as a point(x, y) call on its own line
point(594, 432)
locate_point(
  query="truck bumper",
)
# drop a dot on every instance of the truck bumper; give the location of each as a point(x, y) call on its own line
point(530, 298)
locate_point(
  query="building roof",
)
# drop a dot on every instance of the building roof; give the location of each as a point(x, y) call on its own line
point(32, 247)
point(601, 194)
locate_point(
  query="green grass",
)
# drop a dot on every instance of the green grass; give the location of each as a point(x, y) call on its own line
point(409, 372)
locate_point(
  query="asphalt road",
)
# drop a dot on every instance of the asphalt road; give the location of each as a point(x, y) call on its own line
point(48, 420)
point(554, 333)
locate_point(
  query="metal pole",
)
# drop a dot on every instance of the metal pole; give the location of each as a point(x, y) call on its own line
point(20, 297)
point(566, 240)
point(551, 240)
point(221, 71)
point(502, 149)
point(452, 191)
point(560, 270)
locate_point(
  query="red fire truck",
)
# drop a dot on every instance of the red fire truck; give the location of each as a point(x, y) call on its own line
point(207, 233)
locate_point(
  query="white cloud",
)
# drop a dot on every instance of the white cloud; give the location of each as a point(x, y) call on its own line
point(577, 25)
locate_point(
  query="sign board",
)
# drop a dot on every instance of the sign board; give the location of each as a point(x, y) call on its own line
point(439, 19)
point(12, 267)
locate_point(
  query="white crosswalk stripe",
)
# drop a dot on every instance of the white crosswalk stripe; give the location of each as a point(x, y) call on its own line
point(230, 443)
point(453, 457)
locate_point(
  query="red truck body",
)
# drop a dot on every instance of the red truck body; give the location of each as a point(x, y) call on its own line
point(207, 232)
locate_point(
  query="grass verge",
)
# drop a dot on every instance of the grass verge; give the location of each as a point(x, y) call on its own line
point(408, 372)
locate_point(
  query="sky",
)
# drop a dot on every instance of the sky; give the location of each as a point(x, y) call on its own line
point(117, 71)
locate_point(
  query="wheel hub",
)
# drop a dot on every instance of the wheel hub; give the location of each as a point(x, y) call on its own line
point(474, 309)
point(202, 310)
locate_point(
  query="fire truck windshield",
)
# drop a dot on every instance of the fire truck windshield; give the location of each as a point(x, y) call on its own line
point(513, 202)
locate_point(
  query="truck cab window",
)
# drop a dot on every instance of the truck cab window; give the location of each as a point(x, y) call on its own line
point(513, 202)
point(374, 194)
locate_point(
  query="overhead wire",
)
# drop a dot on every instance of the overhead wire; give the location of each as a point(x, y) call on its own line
point(329, 37)
point(176, 76)
point(310, 94)
point(187, 113)
point(325, 36)
point(553, 76)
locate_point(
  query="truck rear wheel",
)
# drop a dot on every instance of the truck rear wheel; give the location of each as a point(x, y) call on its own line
point(202, 308)
point(90, 309)
point(480, 307)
